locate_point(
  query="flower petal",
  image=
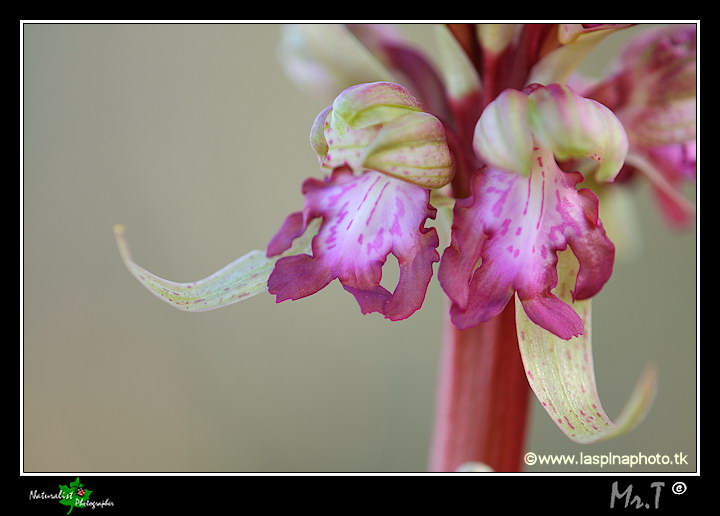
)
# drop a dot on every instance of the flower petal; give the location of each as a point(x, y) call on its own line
point(573, 126)
point(461, 78)
point(380, 127)
point(619, 213)
point(495, 37)
point(413, 148)
point(662, 123)
point(502, 135)
point(323, 59)
point(562, 376)
point(557, 65)
point(665, 167)
point(409, 65)
point(239, 280)
point(366, 105)
point(662, 64)
point(512, 227)
point(569, 32)
point(365, 218)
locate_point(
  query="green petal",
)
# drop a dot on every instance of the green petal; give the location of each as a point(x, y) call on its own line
point(412, 148)
point(561, 372)
point(323, 59)
point(574, 126)
point(368, 104)
point(495, 37)
point(239, 280)
point(619, 215)
point(560, 63)
point(502, 135)
point(461, 78)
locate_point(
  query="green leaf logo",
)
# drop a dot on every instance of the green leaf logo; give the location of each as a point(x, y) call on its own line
point(74, 495)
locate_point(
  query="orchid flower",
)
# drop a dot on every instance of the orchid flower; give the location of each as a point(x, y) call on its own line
point(524, 209)
point(495, 138)
point(652, 91)
point(385, 155)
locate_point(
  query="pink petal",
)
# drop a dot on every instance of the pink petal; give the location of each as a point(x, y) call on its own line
point(365, 218)
point(569, 32)
point(677, 164)
point(677, 161)
point(505, 239)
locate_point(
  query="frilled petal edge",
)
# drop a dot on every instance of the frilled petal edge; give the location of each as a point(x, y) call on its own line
point(505, 239)
point(365, 217)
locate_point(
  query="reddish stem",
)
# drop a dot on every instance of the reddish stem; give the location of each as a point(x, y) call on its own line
point(482, 397)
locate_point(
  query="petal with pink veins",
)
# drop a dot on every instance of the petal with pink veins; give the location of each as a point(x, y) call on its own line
point(505, 239)
point(365, 217)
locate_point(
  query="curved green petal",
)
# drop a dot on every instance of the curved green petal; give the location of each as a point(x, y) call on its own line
point(559, 64)
point(619, 215)
point(323, 59)
point(239, 280)
point(562, 376)
point(495, 37)
point(461, 78)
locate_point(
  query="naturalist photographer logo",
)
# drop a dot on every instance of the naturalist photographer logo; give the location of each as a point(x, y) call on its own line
point(74, 495)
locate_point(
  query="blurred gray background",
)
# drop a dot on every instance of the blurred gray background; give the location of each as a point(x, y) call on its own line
point(194, 138)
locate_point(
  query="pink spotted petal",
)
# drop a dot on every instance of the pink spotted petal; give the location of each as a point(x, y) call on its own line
point(365, 218)
point(505, 239)
point(562, 376)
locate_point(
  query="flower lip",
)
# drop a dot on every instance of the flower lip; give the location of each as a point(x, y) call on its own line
point(513, 227)
point(524, 209)
point(385, 155)
point(364, 218)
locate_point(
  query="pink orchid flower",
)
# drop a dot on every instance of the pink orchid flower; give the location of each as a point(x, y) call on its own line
point(524, 209)
point(385, 154)
point(497, 135)
point(652, 91)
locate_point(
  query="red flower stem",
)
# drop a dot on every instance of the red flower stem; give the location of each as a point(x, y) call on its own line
point(483, 395)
